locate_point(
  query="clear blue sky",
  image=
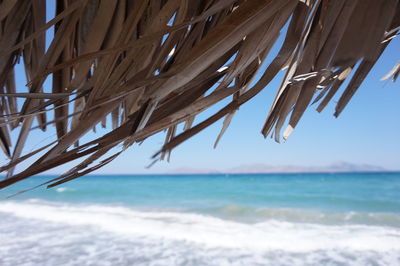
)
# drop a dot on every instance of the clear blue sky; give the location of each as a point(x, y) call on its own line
point(367, 132)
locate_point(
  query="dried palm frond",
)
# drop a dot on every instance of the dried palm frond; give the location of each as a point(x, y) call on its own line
point(153, 64)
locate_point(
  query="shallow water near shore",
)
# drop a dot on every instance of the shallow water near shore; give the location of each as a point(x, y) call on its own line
point(273, 219)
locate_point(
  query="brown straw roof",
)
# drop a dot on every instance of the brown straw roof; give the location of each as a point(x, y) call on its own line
point(153, 64)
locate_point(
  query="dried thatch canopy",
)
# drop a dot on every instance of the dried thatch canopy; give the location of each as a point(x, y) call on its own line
point(153, 64)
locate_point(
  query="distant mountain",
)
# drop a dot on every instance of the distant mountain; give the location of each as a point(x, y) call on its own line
point(338, 167)
point(190, 170)
point(334, 168)
point(349, 167)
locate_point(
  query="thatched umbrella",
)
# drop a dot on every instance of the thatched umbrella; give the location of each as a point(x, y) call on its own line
point(151, 65)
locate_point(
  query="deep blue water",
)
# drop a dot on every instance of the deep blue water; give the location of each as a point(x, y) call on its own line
point(364, 192)
point(265, 219)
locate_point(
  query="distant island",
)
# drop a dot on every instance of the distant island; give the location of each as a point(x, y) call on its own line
point(260, 168)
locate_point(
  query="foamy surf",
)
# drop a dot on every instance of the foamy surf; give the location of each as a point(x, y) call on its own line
point(254, 214)
point(109, 235)
point(63, 189)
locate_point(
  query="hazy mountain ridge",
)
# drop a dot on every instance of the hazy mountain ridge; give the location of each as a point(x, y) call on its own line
point(338, 167)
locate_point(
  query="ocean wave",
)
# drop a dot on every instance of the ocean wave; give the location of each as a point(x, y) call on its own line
point(252, 214)
point(207, 229)
point(102, 234)
point(63, 189)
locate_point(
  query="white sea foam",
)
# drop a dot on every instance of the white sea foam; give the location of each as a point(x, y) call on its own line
point(63, 189)
point(251, 214)
point(120, 235)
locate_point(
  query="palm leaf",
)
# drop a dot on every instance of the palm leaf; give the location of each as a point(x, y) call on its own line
point(154, 64)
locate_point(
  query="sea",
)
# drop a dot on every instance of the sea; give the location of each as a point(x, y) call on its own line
point(224, 219)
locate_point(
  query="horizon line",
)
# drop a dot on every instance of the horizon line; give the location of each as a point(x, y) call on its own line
point(230, 173)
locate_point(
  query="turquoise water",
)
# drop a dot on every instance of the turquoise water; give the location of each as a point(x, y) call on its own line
point(274, 219)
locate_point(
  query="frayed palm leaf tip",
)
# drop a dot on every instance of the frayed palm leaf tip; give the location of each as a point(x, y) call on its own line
point(141, 67)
